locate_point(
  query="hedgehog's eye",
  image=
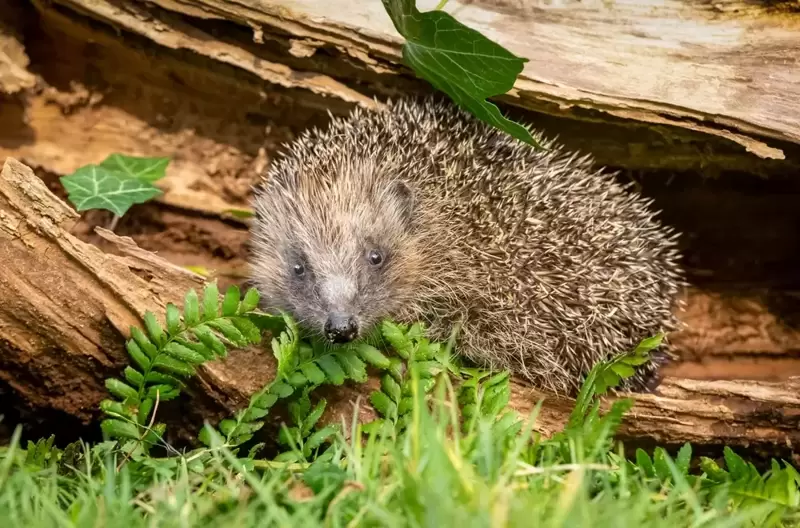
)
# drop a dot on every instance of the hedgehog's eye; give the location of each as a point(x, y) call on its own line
point(375, 257)
point(299, 269)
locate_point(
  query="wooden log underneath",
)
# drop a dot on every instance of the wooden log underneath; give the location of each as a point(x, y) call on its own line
point(67, 307)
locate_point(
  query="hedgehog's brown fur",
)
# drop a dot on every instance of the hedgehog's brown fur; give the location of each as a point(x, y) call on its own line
point(549, 264)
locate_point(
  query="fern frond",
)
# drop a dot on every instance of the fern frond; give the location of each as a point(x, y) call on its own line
point(161, 358)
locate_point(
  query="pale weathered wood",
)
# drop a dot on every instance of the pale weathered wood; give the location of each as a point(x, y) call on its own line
point(67, 308)
point(722, 68)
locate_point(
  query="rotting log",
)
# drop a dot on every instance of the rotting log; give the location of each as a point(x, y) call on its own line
point(67, 308)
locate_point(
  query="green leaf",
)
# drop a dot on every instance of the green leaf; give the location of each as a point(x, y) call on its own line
point(133, 376)
point(458, 61)
point(121, 389)
point(229, 331)
point(353, 366)
point(210, 301)
point(247, 328)
point(144, 411)
point(647, 345)
point(315, 440)
point(173, 319)
point(684, 458)
point(191, 308)
point(373, 356)
point(333, 371)
point(390, 387)
point(153, 328)
point(143, 169)
point(160, 377)
point(250, 301)
point(736, 466)
point(119, 429)
point(173, 366)
point(231, 301)
point(383, 404)
point(622, 370)
point(644, 463)
point(313, 373)
point(137, 355)
point(183, 353)
point(313, 417)
point(399, 341)
point(281, 390)
point(144, 342)
point(94, 187)
point(204, 334)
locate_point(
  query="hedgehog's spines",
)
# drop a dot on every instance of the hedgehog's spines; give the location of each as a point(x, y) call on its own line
point(552, 263)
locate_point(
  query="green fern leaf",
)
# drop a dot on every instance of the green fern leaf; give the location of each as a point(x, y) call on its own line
point(313, 373)
point(684, 458)
point(373, 356)
point(171, 365)
point(383, 404)
point(210, 340)
point(210, 301)
point(133, 376)
point(316, 439)
point(141, 360)
point(281, 390)
point(154, 329)
point(162, 392)
point(191, 308)
point(184, 354)
point(391, 388)
point(119, 429)
point(333, 371)
point(144, 342)
point(254, 413)
point(162, 378)
point(313, 417)
point(660, 464)
point(736, 466)
point(644, 463)
point(229, 331)
point(355, 369)
point(112, 407)
point(230, 304)
point(250, 301)
point(297, 379)
point(121, 389)
point(173, 319)
point(399, 341)
point(247, 328)
point(144, 411)
point(265, 401)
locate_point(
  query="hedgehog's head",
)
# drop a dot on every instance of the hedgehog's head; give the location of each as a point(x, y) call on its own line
point(337, 248)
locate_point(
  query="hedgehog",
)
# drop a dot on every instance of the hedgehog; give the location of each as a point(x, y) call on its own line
point(419, 211)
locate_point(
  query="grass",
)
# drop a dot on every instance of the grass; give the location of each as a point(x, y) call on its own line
point(432, 474)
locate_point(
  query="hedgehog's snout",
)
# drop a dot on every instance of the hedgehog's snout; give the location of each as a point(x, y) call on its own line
point(341, 328)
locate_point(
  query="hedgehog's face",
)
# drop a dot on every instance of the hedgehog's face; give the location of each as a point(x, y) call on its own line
point(340, 259)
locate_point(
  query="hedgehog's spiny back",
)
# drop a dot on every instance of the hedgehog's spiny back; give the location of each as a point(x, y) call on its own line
point(554, 265)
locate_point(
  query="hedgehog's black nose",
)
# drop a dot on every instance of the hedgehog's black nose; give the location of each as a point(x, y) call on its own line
point(341, 328)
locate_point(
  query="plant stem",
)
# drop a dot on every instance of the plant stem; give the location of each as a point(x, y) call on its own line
point(112, 225)
point(441, 5)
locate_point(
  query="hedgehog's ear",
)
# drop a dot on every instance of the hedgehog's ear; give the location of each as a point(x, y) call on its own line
point(402, 195)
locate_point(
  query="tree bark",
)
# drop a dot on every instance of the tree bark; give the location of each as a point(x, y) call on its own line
point(68, 306)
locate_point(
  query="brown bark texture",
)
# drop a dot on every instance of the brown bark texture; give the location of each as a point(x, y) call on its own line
point(698, 103)
point(68, 307)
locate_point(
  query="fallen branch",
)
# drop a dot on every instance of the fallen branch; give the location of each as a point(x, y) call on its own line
point(67, 308)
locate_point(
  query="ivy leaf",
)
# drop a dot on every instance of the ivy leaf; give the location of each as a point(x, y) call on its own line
point(458, 61)
point(95, 187)
point(143, 169)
